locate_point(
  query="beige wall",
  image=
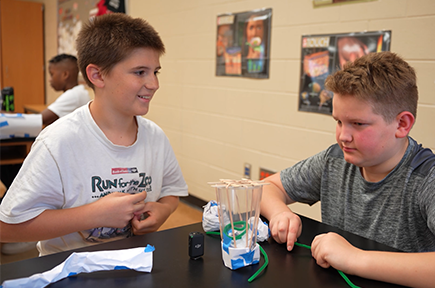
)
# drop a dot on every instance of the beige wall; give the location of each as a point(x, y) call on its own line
point(216, 124)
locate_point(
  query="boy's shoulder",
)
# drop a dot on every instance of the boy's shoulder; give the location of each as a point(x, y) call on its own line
point(148, 125)
point(422, 159)
point(66, 127)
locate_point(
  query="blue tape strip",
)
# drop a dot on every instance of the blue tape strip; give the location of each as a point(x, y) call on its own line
point(4, 123)
point(237, 263)
point(226, 243)
point(121, 268)
point(149, 248)
point(249, 257)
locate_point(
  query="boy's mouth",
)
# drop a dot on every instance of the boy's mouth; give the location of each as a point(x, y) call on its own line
point(145, 97)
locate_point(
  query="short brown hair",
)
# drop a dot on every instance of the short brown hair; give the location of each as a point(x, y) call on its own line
point(108, 39)
point(383, 79)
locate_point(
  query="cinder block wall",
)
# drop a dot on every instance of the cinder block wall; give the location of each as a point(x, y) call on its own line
point(217, 124)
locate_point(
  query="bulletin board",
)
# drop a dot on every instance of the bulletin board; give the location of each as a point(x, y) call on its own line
point(72, 14)
point(243, 44)
point(327, 53)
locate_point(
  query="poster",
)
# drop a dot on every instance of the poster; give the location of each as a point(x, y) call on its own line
point(72, 14)
point(243, 44)
point(325, 54)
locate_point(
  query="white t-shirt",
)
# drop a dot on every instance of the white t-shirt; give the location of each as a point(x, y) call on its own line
point(72, 163)
point(70, 100)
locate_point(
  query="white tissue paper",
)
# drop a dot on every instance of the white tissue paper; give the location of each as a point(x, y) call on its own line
point(139, 259)
point(210, 221)
point(20, 125)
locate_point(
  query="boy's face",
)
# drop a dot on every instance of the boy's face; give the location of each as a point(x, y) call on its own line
point(365, 138)
point(57, 76)
point(254, 28)
point(131, 83)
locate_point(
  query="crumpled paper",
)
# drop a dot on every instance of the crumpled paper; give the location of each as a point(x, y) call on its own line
point(210, 221)
point(139, 259)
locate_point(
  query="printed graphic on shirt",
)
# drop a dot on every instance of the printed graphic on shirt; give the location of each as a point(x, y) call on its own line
point(126, 180)
point(123, 170)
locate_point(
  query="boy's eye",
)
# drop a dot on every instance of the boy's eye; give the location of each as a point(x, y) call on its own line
point(156, 73)
point(358, 124)
point(140, 72)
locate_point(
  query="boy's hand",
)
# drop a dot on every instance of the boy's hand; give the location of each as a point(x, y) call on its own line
point(156, 214)
point(285, 227)
point(333, 250)
point(117, 209)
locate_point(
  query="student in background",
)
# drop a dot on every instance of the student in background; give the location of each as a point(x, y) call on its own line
point(376, 182)
point(108, 173)
point(64, 73)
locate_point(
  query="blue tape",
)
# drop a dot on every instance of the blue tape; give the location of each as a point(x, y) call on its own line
point(237, 263)
point(226, 243)
point(121, 268)
point(149, 248)
point(4, 123)
point(72, 274)
point(248, 256)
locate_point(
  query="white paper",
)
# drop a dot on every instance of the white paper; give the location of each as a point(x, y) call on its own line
point(20, 125)
point(139, 259)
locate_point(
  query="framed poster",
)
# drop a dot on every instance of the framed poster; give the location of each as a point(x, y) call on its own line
point(325, 54)
point(72, 14)
point(317, 3)
point(243, 44)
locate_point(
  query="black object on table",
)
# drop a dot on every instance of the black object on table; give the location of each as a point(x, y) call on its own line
point(172, 266)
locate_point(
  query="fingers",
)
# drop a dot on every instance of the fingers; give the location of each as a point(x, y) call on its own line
point(286, 228)
point(139, 196)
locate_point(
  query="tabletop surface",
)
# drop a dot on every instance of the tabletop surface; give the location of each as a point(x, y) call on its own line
point(172, 267)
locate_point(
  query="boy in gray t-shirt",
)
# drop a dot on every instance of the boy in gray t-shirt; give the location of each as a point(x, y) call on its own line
point(376, 181)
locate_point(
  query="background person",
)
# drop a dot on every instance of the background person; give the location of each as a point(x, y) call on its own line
point(64, 73)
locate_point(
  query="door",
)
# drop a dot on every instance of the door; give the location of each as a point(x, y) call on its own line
point(22, 51)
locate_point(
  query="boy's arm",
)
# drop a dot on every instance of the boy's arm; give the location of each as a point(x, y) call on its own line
point(156, 214)
point(408, 269)
point(48, 117)
point(114, 210)
point(285, 226)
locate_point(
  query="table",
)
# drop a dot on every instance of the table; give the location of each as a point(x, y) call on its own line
point(14, 150)
point(172, 266)
point(34, 108)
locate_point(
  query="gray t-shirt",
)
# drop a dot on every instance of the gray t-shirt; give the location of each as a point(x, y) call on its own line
point(398, 211)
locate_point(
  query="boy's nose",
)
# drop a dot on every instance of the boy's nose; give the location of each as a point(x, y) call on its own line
point(152, 83)
point(344, 134)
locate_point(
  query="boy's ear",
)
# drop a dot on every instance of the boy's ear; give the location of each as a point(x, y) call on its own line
point(94, 75)
point(405, 121)
point(65, 74)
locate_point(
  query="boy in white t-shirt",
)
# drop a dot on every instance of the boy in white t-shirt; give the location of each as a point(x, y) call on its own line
point(102, 172)
point(64, 73)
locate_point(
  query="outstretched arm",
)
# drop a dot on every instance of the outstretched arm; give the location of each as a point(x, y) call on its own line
point(285, 226)
point(409, 269)
point(114, 210)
